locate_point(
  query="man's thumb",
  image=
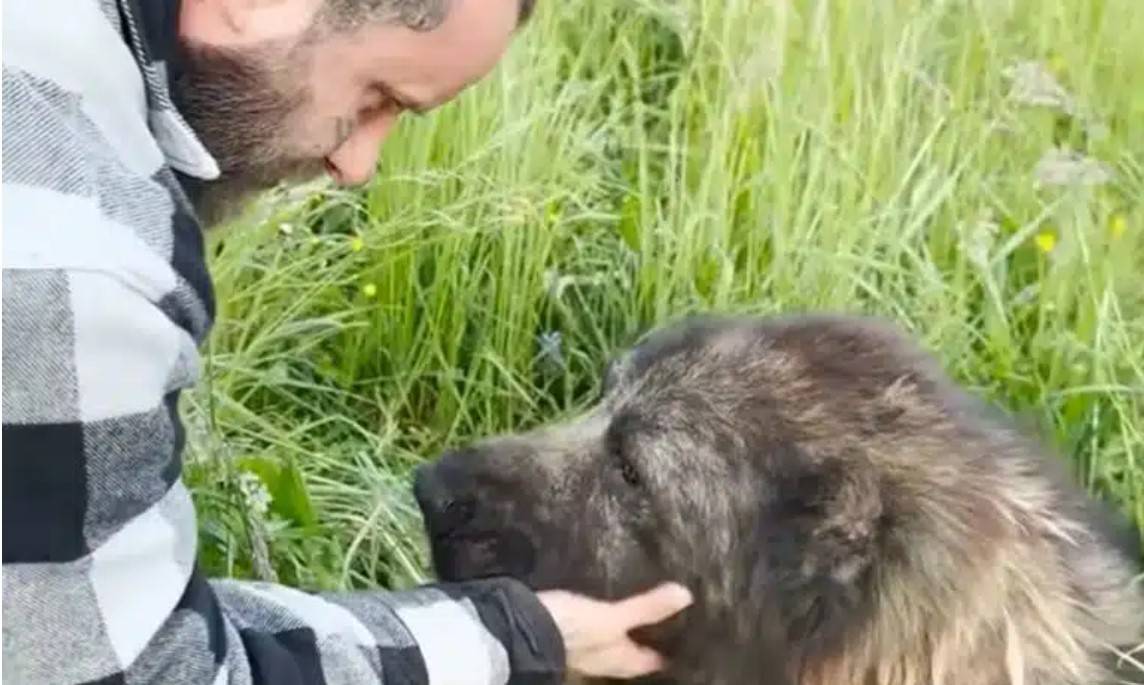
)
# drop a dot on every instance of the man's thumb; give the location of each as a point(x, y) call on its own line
point(655, 605)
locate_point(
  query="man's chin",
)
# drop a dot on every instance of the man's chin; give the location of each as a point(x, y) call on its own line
point(217, 205)
point(224, 200)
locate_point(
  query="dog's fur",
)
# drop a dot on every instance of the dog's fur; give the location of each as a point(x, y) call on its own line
point(842, 511)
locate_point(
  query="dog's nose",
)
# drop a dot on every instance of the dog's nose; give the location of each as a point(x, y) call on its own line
point(445, 501)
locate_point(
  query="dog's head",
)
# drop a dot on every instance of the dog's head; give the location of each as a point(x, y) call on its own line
point(764, 463)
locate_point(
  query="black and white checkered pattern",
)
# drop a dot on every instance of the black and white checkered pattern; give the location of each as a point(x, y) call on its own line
point(106, 300)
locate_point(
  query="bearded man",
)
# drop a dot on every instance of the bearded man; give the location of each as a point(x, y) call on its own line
point(130, 126)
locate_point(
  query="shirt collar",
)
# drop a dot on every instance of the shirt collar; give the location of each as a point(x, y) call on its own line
point(152, 28)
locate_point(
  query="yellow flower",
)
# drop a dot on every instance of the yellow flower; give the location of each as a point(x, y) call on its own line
point(1046, 241)
point(1057, 64)
point(369, 289)
point(357, 244)
point(1117, 225)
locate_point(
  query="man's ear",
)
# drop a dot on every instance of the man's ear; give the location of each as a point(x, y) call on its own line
point(238, 23)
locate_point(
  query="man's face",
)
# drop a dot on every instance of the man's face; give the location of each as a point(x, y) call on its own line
point(279, 95)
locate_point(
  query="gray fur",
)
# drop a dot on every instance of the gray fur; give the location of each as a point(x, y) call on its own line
point(843, 512)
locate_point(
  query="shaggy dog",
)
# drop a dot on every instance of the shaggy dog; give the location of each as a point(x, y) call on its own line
point(843, 513)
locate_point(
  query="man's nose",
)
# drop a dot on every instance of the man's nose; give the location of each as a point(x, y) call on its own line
point(355, 161)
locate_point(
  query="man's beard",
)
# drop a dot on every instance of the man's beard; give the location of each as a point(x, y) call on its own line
point(241, 109)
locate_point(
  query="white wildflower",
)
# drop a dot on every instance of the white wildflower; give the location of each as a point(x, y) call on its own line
point(257, 500)
point(1033, 84)
point(1059, 167)
point(978, 238)
point(254, 492)
point(552, 349)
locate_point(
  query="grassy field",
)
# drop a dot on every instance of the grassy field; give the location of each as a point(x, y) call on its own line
point(974, 170)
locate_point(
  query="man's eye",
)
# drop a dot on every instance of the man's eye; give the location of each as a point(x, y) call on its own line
point(374, 108)
point(376, 100)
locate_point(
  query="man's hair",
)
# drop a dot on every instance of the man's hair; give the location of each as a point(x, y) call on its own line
point(419, 15)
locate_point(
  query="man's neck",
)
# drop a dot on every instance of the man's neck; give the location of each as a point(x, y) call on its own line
point(157, 22)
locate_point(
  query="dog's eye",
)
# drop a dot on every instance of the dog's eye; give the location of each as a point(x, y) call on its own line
point(629, 473)
point(621, 460)
point(619, 440)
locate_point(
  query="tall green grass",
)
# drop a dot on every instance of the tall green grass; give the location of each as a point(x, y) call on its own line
point(631, 161)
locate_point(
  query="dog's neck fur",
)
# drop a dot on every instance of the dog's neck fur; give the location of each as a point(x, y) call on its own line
point(933, 638)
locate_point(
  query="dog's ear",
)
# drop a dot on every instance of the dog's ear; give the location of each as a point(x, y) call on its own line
point(821, 530)
point(842, 509)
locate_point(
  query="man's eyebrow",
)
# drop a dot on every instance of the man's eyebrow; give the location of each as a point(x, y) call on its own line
point(404, 101)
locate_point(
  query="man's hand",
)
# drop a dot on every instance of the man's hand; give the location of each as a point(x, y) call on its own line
point(596, 633)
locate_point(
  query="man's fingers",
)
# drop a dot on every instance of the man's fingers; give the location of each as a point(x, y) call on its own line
point(653, 606)
point(626, 660)
point(595, 631)
point(639, 661)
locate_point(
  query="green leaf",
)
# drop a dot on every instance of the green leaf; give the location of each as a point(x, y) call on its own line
point(289, 498)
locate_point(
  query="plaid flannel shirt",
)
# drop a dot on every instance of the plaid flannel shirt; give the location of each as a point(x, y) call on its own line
point(106, 300)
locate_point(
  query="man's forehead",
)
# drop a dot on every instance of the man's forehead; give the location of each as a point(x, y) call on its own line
point(426, 69)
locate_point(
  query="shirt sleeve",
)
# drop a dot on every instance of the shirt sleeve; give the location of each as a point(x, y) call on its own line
point(100, 575)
